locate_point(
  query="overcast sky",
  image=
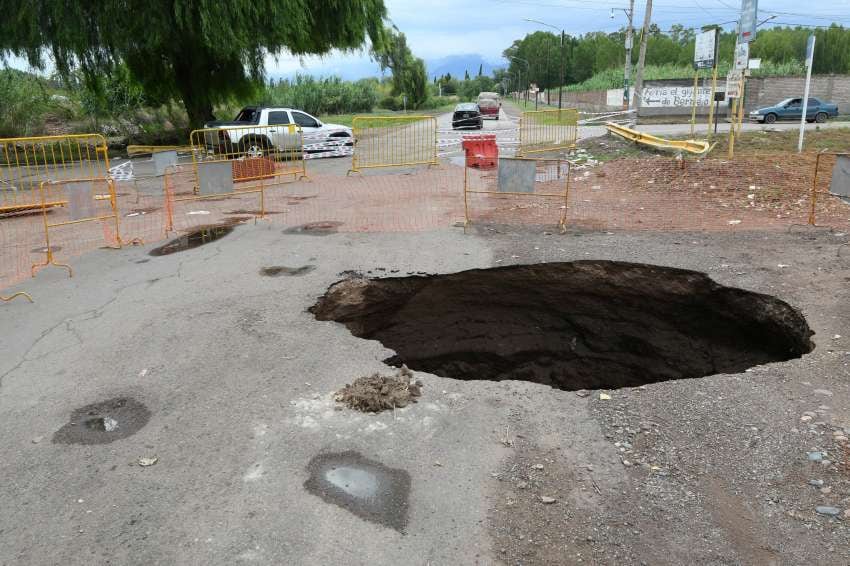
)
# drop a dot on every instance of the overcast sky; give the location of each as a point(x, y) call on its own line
point(441, 28)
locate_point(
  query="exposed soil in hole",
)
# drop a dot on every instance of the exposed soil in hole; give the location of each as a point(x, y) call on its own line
point(376, 393)
point(364, 487)
point(280, 270)
point(322, 228)
point(194, 239)
point(579, 325)
point(104, 422)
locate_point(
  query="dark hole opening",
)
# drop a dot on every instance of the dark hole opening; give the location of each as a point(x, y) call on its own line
point(193, 240)
point(578, 325)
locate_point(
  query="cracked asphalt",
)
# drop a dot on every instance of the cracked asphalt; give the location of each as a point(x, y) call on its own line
point(239, 382)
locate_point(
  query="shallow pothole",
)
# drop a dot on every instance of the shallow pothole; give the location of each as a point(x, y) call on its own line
point(193, 240)
point(577, 325)
point(364, 487)
point(320, 228)
point(281, 270)
point(103, 422)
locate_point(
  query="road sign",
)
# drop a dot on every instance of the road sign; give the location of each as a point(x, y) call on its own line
point(754, 64)
point(749, 17)
point(733, 84)
point(742, 55)
point(705, 49)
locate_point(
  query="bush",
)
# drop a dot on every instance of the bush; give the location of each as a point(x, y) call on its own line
point(24, 102)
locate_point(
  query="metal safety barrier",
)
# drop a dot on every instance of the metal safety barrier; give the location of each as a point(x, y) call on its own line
point(547, 130)
point(26, 163)
point(254, 153)
point(393, 141)
point(83, 200)
point(839, 182)
point(512, 178)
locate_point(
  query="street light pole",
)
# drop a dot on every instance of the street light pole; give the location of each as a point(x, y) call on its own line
point(560, 58)
point(627, 73)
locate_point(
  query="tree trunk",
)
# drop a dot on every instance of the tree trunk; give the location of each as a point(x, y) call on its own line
point(196, 100)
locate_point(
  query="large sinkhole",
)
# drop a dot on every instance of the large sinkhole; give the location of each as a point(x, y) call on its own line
point(578, 325)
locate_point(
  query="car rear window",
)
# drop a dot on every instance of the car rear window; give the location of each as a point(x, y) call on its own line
point(250, 115)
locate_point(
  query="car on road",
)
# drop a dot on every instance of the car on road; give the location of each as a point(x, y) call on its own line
point(259, 130)
point(792, 109)
point(467, 115)
point(489, 104)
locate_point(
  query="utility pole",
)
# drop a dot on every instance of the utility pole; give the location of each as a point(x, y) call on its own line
point(628, 70)
point(642, 58)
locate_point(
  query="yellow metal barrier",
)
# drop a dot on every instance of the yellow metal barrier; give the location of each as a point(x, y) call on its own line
point(814, 196)
point(393, 141)
point(133, 150)
point(82, 203)
point(547, 130)
point(697, 147)
point(26, 163)
point(257, 153)
point(551, 178)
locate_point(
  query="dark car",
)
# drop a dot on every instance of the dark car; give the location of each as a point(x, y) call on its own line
point(467, 115)
point(792, 109)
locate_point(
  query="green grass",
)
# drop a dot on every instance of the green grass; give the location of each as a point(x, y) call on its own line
point(613, 78)
point(346, 119)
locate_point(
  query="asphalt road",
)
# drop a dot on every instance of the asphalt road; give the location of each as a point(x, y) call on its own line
point(238, 379)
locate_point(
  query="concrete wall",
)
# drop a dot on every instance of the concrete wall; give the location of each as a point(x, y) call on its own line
point(673, 97)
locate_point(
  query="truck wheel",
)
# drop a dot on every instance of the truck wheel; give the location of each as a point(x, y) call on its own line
point(770, 118)
point(254, 147)
point(820, 117)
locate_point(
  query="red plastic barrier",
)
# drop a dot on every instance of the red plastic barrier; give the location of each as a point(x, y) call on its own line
point(481, 151)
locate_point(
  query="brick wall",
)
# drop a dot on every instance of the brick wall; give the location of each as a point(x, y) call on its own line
point(767, 91)
point(761, 92)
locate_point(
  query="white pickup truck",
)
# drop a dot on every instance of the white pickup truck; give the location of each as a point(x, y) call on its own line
point(258, 131)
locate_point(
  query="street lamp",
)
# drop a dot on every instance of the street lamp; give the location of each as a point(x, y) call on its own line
point(560, 59)
point(628, 69)
point(520, 73)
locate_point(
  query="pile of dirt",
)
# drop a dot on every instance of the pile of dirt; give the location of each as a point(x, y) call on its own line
point(376, 393)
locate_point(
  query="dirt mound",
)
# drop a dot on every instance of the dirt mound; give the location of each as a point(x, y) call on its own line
point(376, 393)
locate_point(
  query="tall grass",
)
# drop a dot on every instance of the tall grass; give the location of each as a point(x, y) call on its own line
point(613, 78)
point(323, 96)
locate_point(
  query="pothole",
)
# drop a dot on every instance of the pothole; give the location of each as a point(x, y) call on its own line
point(280, 270)
point(578, 325)
point(321, 228)
point(193, 240)
point(364, 487)
point(103, 422)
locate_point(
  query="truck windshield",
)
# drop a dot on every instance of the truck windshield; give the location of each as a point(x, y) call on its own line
point(250, 115)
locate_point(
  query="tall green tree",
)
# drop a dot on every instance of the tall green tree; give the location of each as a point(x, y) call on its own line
point(409, 77)
point(200, 51)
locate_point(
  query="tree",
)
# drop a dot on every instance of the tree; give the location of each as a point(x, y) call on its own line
point(409, 77)
point(203, 52)
point(480, 69)
point(466, 75)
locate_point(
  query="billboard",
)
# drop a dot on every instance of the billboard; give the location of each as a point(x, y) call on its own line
point(705, 49)
point(749, 16)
